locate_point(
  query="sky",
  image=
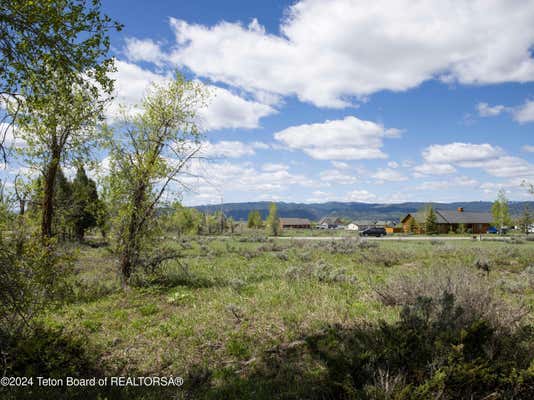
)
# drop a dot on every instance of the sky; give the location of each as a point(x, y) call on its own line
point(343, 100)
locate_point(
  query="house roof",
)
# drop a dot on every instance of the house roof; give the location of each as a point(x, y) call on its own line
point(363, 222)
point(455, 217)
point(330, 221)
point(466, 217)
point(294, 221)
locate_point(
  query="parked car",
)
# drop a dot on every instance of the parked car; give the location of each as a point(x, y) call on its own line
point(374, 231)
point(492, 230)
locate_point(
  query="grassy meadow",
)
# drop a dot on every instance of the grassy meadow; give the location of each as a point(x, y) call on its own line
point(232, 315)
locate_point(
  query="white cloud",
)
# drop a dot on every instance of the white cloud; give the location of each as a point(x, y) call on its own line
point(339, 177)
point(388, 174)
point(131, 84)
point(143, 50)
point(485, 110)
point(340, 165)
point(525, 113)
point(461, 181)
point(346, 139)
point(260, 145)
point(225, 149)
point(510, 167)
point(393, 164)
point(9, 136)
point(528, 148)
point(225, 109)
point(360, 196)
point(433, 169)
point(210, 180)
point(463, 154)
point(489, 158)
point(363, 48)
point(270, 167)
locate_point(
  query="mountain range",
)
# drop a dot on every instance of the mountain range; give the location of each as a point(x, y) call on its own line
point(352, 210)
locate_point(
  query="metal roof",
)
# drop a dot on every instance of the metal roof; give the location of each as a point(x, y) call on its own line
point(456, 217)
point(295, 221)
point(331, 220)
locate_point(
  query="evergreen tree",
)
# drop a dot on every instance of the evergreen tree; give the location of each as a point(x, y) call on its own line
point(62, 219)
point(413, 227)
point(430, 221)
point(85, 204)
point(273, 222)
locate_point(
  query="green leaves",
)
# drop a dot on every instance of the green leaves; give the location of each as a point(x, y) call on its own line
point(148, 152)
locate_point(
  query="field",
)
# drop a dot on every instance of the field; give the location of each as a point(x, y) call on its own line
point(232, 314)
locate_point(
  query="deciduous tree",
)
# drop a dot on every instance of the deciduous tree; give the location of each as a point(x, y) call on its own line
point(526, 220)
point(39, 38)
point(273, 221)
point(501, 211)
point(254, 219)
point(148, 152)
point(58, 127)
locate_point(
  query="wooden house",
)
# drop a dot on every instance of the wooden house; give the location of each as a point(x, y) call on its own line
point(329, 223)
point(450, 220)
point(297, 223)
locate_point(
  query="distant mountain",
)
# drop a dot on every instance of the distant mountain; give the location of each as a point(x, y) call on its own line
point(240, 211)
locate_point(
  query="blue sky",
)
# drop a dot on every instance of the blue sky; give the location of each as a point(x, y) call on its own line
point(344, 100)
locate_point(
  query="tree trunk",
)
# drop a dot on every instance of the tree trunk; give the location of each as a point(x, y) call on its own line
point(130, 249)
point(80, 233)
point(48, 197)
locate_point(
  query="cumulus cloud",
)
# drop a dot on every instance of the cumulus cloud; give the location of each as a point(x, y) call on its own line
point(485, 110)
point(270, 167)
point(346, 139)
point(388, 174)
point(9, 136)
point(489, 158)
point(225, 149)
point(209, 180)
point(510, 167)
point(528, 148)
point(338, 177)
point(363, 196)
point(463, 154)
point(460, 181)
point(433, 169)
point(225, 109)
point(363, 48)
point(340, 165)
point(143, 50)
point(525, 113)
point(260, 146)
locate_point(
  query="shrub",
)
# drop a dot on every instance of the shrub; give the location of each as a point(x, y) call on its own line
point(321, 271)
point(476, 295)
point(50, 352)
point(435, 350)
point(30, 281)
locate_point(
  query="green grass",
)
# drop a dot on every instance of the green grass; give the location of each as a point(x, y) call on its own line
point(228, 302)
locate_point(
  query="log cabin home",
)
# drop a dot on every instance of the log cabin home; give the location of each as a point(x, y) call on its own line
point(451, 220)
point(296, 223)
